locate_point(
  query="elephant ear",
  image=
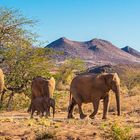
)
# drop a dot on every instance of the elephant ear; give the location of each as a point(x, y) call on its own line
point(108, 79)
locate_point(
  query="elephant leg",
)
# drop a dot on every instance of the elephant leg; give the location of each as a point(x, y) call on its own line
point(105, 107)
point(42, 113)
point(38, 112)
point(95, 106)
point(47, 111)
point(32, 113)
point(49, 114)
point(82, 115)
point(71, 107)
point(52, 105)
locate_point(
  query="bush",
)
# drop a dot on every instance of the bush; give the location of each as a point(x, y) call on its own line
point(120, 132)
point(116, 131)
point(66, 72)
point(130, 80)
point(19, 102)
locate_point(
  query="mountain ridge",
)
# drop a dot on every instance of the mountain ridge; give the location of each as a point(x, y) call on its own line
point(94, 51)
point(131, 51)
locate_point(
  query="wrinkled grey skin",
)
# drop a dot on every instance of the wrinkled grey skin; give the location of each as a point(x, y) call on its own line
point(42, 105)
point(91, 89)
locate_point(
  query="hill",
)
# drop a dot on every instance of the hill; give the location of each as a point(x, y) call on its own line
point(93, 52)
point(131, 51)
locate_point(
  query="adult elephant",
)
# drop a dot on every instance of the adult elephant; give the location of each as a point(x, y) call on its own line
point(1, 81)
point(93, 88)
point(42, 87)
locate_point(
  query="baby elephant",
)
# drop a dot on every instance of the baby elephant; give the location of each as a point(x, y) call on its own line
point(52, 104)
point(42, 105)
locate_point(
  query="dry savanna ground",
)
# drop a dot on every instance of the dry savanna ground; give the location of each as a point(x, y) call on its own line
point(17, 125)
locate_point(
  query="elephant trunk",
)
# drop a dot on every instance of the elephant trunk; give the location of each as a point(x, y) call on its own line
point(53, 111)
point(118, 100)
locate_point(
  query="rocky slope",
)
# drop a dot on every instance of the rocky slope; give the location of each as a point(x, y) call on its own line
point(131, 51)
point(93, 52)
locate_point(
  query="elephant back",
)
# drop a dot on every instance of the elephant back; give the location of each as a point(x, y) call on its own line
point(42, 87)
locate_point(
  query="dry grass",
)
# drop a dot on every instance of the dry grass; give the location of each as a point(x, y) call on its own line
point(60, 128)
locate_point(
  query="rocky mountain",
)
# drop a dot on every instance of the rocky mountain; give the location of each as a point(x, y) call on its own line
point(131, 51)
point(93, 52)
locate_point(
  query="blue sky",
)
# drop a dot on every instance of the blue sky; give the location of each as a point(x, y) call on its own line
point(117, 21)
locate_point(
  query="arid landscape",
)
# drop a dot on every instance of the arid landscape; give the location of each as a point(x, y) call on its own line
point(55, 88)
point(17, 125)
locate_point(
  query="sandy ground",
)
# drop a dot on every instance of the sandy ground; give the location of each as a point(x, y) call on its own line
point(17, 125)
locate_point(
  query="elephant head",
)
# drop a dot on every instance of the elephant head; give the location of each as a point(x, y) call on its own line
point(112, 81)
point(49, 102)
point(52, 104)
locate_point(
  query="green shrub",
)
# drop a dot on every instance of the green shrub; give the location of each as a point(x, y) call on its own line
point(20, 101)
point(119, 132)
point(116, 131)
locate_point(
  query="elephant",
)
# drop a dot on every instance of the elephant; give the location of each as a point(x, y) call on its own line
point(42, 87)
point(52, 104)
point(42, 104)
point(1, 81)
point(91, 88)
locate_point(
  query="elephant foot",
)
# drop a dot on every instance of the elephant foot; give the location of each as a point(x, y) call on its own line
point(104, 117)
point(92, 116)
point(49, 114)
point(82, 116)
point(70, 116)
point(46, 115)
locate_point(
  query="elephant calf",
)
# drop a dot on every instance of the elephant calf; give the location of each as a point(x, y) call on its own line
point(42, 105)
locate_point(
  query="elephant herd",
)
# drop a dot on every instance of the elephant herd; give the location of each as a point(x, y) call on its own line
point(85, 88)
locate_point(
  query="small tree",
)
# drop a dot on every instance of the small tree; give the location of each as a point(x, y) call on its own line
point(67, 70)
point(22, 61)
point(13, 28)
point(21, 65)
